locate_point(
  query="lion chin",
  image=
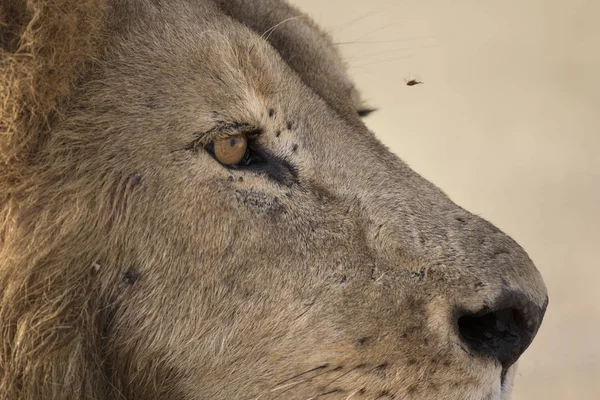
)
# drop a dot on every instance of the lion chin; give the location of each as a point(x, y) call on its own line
point(191, 207)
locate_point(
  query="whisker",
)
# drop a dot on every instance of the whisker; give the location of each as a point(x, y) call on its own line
point(352, 394)
point(270, 31)
point(344, 374)
point(391, 51)
point(388, 41)
point(295, 384)
point(287, 385)
point(366, 35)
point(302, 374)
point(325, 394)
point(383, 61)
point(365, 15)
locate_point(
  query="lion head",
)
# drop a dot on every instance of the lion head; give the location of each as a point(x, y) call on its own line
point(192, 208)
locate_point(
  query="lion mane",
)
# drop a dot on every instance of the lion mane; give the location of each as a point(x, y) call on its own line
point(46, 46)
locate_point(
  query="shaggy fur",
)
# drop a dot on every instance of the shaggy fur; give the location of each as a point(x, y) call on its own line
point(134, 266)
point(44, 48)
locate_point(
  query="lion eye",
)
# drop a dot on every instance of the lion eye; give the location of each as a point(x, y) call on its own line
point(231, 151)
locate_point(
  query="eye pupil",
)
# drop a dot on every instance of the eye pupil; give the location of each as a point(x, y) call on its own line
point(232, 142)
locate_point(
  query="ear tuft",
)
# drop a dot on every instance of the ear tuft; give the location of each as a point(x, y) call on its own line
point(44, 47)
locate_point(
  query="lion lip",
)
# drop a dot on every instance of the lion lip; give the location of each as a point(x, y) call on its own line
point(503, 376)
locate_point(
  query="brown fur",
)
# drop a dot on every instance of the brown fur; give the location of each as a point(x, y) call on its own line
point(133, 266)
point(43, 50)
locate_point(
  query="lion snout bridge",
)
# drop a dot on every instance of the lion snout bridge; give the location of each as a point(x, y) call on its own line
point(494, 298)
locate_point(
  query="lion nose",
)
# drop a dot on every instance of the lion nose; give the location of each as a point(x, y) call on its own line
point(503, 331)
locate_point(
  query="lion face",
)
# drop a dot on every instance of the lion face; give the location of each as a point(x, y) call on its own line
point(315, 264)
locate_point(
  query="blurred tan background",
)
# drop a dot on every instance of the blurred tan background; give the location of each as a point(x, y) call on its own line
point(507, 122)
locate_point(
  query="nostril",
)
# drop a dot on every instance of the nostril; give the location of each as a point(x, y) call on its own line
point(502, 330)
point(502, 334)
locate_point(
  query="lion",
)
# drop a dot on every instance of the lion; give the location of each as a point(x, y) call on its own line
point(193, 208)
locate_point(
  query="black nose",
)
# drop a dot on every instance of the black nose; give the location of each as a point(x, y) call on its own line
point(504, 330)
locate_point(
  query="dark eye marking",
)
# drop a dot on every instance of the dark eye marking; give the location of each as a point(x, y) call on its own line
point(256, 159)
point(264, 163)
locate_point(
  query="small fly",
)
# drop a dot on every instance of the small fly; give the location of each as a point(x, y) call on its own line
point(413, 82)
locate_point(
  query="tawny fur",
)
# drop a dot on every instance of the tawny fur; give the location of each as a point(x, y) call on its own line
point(134, 266)
point(45, 46)
point(43, 52)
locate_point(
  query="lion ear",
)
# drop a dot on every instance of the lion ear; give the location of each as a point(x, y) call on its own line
point(306, 48)
point(44, 47)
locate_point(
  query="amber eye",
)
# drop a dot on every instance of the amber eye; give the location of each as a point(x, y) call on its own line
point(231, 151)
